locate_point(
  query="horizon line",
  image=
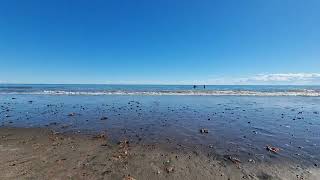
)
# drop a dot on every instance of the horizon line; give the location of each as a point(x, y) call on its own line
point(143, 84)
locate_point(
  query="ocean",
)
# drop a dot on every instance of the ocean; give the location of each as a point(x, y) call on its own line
point(213, 90)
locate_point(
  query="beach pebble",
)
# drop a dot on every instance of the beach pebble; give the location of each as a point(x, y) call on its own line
point(72, 114)
point(103, 118)
point(204, 131)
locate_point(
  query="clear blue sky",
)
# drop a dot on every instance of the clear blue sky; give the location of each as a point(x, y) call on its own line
point(156, 41)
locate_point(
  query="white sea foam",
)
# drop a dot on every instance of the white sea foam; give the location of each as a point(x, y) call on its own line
point(311, 93)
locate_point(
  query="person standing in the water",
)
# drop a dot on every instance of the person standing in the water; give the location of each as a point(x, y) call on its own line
point(194, 86)
point(204, 86)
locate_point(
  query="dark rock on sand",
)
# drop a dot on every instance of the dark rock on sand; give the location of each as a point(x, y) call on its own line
point(104, 118)
point(204, 131)
point(71, 114)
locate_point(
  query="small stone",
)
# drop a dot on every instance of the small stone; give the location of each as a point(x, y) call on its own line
point(103, 118)
point(71, 114)
point(204, 131)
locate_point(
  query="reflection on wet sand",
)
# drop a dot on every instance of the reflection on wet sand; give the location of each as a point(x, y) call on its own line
point(161, 137)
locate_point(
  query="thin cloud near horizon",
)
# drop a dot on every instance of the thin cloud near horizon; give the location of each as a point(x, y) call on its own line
point(271, 79)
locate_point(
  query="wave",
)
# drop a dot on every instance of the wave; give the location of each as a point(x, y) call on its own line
point(311, 93)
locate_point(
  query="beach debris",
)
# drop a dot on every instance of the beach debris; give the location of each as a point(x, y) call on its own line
point(55, 132)
point(71, 114)
point(251, 161)
point(128, 177)
point(204, 131)
point(234, 160)
point(61, 160)
point(100, 136)
point(65, 126)
point(53, 124)
point(170, 169)
point(272, 149)
point(103, 118)
point(123, 151)
point(124, 142)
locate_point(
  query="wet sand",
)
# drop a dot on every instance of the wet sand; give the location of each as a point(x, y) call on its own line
point(41, 154)
point(152, 137)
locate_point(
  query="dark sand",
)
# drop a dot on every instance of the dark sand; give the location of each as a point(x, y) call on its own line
point(40, 154)
point(153, 137)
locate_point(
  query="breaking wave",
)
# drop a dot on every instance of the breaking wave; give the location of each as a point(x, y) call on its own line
point(311, 93)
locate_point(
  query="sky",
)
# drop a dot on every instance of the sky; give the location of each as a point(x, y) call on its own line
point(160, 42)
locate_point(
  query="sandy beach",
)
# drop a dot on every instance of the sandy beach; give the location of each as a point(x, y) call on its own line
point(159, 137)
point(41, 154)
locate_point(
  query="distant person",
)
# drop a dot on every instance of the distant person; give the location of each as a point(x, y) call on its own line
point(204, 86)
point(194, 86)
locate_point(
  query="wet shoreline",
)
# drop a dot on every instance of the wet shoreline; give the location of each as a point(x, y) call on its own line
point(239, 129)
point(37, 153)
